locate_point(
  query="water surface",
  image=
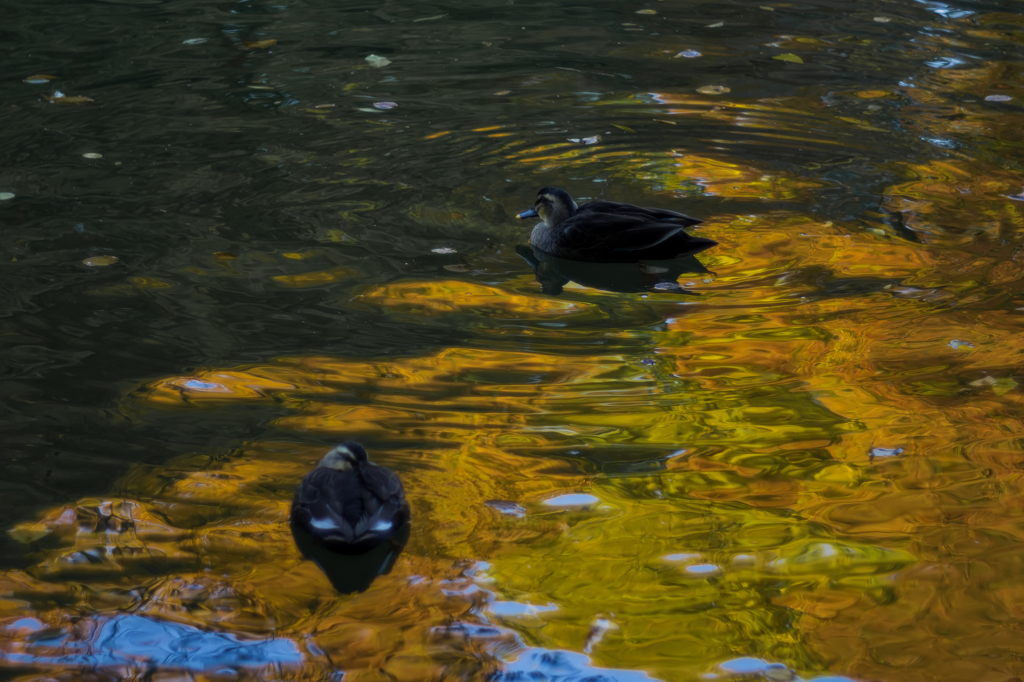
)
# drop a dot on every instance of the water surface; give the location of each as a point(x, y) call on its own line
point(811, 470)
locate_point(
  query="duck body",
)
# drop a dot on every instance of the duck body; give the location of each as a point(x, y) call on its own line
point(349, 505)
point(609, 231)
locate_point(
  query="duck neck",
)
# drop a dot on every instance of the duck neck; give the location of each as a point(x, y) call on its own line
point(558, 214)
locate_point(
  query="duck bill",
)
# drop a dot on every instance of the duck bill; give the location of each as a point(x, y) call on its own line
point(532, 213)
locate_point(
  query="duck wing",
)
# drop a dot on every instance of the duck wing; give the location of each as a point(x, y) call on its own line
point(607, 233)
point(325, 502)
point(651, 214)
point(384, 506)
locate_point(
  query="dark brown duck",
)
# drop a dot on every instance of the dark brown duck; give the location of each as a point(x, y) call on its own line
point(609, 231)
point(348, 504)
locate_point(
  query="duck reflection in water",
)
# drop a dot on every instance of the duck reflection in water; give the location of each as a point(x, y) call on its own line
point(350, 517)
point(655, 276)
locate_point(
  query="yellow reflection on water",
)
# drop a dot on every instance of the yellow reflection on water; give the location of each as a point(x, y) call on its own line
point(816, 462)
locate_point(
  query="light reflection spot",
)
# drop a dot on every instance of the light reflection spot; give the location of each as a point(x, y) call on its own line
point(703, 569)
point(199, 385)
point(571, 500)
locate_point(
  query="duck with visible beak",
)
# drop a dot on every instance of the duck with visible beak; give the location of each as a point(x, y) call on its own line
point(609, 231)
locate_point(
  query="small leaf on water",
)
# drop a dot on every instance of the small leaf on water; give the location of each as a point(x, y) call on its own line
point(713, 90)
point(956, 343)
point(767, 8)
point(377, 61)
point(689, 54)
point(443, 250)
point(487, 43)
point(224, 255)
point(591, 140)
point(368, 110)
point(985, 381)
point(384, 105)
point(39, 78)
point(100, 261)
point(60, 98)
point(507, 507)
point(1004, 385)
point(883, 20)
point(6, 196)
point(92, 155)
point(436, 16)
point(885, 452)
point(194, 41)
point(502, 93)
point(647, 11)
point(998, 98)
point(717, 24)
point(27, 533)
point(324, 106)
point(789, 57)
point(626, 128)
point(259, 44)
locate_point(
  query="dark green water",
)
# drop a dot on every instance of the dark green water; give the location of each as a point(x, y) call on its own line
point(828, 436)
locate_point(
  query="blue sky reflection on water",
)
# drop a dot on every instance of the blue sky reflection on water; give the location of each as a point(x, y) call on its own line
point(239, 239)
point(140, 642)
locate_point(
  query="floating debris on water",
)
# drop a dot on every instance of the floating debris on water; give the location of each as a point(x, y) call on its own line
point(598, 628)
point(507, 507)
point(100, 261)
point(259, 44)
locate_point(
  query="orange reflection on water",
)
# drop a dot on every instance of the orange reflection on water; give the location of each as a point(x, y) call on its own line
point(445, 296)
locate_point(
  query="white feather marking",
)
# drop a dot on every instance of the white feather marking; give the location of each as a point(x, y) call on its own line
point(382, 525)
point(323, 524)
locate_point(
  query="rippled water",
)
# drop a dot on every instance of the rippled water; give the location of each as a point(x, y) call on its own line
point(805, 465)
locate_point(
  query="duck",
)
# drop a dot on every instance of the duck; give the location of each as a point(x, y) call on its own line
point(348, 504)
point(609, 231)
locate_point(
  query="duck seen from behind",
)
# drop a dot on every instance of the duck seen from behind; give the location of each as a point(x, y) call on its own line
point(348, 504)
point(609, 231)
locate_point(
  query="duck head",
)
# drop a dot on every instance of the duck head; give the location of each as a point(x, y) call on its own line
point(345, 456)
point(552, 206)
